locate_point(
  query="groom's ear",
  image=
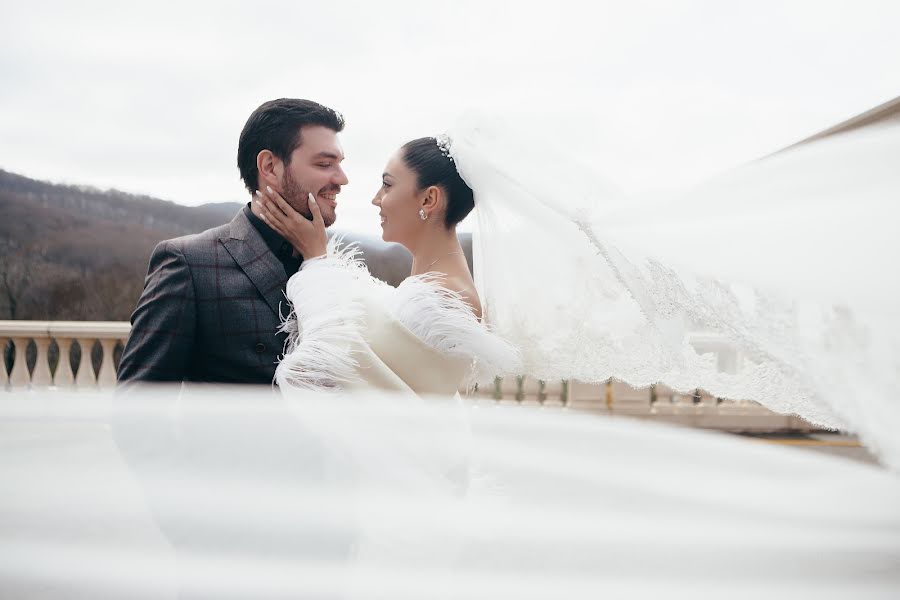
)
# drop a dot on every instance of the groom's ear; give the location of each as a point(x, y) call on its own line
point(270, 169)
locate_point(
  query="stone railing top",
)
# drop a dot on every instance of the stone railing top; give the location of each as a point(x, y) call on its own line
point(92, 329)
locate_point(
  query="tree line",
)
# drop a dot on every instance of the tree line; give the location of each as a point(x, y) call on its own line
point(81, 254)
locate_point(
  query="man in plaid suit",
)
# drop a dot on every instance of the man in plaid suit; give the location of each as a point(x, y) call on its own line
point(210, 309)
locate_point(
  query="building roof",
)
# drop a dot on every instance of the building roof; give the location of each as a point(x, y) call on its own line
point(889, 111)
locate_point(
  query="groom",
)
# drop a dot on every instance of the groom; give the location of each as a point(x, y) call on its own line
point(209, 311)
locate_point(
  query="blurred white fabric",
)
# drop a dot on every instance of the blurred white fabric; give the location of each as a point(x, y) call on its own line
point(236, 493)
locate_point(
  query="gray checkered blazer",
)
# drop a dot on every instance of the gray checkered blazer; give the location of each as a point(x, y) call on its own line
point(209, 310)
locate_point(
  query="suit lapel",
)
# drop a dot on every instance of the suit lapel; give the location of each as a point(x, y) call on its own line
point(250, 252)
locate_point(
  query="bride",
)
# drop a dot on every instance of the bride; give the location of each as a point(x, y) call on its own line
point(772, 282)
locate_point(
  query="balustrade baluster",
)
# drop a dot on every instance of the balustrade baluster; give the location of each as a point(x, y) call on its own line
point(85, 378)
point(586, 396)
point(19, 377)
point(40, 376)
point(64, 377)
point(628, 400)
point(107, 376)
point(529, 391)
point(553, 394)
point(4, 377)
point(662, 400)
point(509, 389)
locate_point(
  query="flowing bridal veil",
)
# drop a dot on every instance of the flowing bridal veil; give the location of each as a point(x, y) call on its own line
point(773, 282)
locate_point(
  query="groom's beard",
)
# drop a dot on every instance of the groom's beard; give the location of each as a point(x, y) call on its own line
point(298, 198)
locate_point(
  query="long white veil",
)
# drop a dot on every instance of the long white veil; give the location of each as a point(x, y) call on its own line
point(774, 282)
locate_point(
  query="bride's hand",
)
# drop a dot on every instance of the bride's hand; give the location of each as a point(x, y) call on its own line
point(307, 237)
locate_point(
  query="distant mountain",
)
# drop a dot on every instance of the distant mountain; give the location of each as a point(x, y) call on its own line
point(81, 226)
point(79, 253)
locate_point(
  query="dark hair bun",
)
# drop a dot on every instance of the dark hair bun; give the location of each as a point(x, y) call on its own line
point(433, 167)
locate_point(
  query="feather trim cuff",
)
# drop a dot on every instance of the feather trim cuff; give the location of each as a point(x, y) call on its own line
point(325, 320)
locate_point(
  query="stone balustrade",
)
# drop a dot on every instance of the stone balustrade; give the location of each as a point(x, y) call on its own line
point(697, 409)
point(659, 403)
point(64, 334)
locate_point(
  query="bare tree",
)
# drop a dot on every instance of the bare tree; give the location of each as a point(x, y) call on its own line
point(14, 279)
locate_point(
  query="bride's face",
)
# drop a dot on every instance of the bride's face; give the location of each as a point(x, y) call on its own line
point(399, 201)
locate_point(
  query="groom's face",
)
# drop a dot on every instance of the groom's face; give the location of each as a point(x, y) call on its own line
point(315, 168)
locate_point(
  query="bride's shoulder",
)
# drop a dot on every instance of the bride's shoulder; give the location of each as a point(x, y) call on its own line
point(444, 312)
point(466, 291)
point(451, 292)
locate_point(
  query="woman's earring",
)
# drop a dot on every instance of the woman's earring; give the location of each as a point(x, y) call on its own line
point(422, 214)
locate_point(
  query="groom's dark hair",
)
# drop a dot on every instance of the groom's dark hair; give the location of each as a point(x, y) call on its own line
point(433, 166)
point(275, 126)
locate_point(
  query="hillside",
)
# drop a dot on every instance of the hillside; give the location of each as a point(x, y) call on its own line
point(82, 227)
point(80, 253)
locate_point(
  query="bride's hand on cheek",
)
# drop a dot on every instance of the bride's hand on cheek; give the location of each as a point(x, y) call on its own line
point(307, 237)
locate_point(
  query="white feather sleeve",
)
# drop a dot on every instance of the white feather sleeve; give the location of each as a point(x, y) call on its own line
point(325, 321)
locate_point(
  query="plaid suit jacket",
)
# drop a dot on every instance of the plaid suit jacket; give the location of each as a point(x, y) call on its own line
point(209, 310)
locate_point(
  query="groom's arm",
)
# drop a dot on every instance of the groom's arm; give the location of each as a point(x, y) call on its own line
point(164, 323)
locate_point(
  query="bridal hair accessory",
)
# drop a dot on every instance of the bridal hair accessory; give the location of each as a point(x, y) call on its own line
point(422, 214)
point(444, 142)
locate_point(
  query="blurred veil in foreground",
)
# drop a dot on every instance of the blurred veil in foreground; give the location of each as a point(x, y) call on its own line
point(240, 492)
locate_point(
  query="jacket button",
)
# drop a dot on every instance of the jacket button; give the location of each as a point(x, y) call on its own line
point(260, 348)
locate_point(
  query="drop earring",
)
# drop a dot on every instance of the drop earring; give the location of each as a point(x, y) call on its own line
point(422, 214)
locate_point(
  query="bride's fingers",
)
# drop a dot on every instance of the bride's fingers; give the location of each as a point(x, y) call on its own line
point(270, 217)
point(280, 204)
point(316, 213)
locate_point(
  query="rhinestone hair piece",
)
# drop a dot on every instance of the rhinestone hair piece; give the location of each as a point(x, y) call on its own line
point(444, 142)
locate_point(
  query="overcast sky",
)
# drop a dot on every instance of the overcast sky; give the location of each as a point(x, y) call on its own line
point(150, 97)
